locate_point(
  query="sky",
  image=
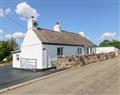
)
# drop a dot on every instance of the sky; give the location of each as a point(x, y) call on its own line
point(96, 20)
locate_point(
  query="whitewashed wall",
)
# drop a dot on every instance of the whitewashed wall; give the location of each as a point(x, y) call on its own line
point(30, 39)
point(16, 63)
point(33, 52)
point(106, 50)
point(67, 51)
point(32, 48)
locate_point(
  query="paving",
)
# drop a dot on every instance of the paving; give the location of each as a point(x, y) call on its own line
point(100, 78)
point(10, 76)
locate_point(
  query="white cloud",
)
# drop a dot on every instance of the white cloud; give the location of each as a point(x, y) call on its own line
point(1, 31)
point(108, 36)
point(22, 18)
point(8, 36)
point(1, 34)
point(16, 35)
point(5, 12)
point(2, 13)
point(26, 11)
point(83, 34)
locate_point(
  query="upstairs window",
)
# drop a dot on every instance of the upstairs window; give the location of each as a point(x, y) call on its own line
point(60, 51)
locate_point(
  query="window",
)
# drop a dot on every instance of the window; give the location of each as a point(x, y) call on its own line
point(91, 51)
point(87, 50)
point(60, 51)
point(17, 56)
point(94, 50)
point(79, 50)
point(44, 49)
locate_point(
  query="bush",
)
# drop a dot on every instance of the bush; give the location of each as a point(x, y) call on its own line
point(6, 47)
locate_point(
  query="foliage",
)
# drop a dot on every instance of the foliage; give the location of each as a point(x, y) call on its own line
point(6, 47)
point(115, 43)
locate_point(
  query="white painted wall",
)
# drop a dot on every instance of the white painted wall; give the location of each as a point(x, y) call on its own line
point(31, 48)
point(57, 28)
point(106, 50)
point(51, 51)
point(30, 23)
point(30, 39)
point(33, 52)
point(16, 63)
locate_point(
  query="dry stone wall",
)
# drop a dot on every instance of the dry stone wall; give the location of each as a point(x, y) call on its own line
point(72, 61)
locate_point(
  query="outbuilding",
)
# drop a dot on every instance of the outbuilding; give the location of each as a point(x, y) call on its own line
point(42, 47)
point(107, 50)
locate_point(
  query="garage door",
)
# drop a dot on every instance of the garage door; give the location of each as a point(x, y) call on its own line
point(28, 63)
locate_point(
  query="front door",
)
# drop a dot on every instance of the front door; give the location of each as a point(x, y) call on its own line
point(44, 57)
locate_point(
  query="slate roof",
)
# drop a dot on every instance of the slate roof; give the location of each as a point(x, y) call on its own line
point(62, 38)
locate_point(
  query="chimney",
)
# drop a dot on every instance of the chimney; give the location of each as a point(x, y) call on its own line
point(32, 23)
point(57, 27)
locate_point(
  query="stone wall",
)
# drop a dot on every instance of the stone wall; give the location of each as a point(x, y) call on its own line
point(72, 61)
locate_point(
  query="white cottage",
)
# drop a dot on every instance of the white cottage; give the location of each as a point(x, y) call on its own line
point(41, 47)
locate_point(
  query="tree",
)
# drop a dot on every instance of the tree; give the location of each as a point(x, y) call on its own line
point(6, 47)
point(13, 44)
point(104, 43)
point(115, 43)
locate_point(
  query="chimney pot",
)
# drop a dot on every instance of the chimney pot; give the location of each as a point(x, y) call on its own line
point(57, 27)
point(57, 22)
point(32, 16)
point(32, 23)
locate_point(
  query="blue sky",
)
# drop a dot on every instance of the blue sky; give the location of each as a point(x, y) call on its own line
point(96, 19)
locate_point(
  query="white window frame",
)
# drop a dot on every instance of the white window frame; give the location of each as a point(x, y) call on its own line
point(79, 51)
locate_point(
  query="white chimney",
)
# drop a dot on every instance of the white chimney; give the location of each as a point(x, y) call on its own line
point(32, 23)
point(57, 27)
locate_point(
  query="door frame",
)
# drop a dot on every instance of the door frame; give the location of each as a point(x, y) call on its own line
point(44, 58)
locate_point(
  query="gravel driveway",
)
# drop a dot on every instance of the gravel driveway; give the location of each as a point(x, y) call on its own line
point(94, 79)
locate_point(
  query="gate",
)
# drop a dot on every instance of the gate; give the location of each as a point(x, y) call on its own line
point(26, 63)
